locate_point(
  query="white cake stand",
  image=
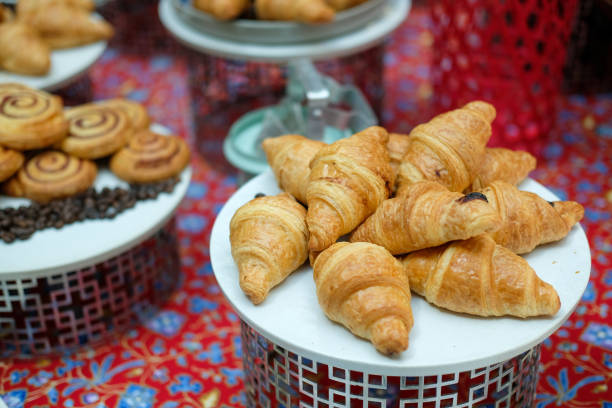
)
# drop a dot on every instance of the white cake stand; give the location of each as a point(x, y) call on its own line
point(440, 342)
point(67, 65)
point(338, 46)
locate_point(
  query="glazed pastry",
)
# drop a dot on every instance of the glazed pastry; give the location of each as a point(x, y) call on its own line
point(150, 157)
point(96, 131)
point(363, 287)
point(503, 164)
point(138, 115)
point(397, 146)
point(62, 25)
point(481, 278)
point(427, 215)
point(449, 148)
point(348, 181)
point(269, 241)
point(223, 9)
point(50, 175)
point(22, 51)
point(304, 11)
point(289, 157)
point(30, 119)
point(340, 5)
point(10, 162)
point(527, 220)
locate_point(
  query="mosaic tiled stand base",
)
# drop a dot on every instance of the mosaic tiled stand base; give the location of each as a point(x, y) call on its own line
point(54, 313)
point(276, 377)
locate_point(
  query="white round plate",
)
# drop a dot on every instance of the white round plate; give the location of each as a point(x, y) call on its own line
point(392, 15)
point(440, 342)
point(67, 65)
point(91, 241)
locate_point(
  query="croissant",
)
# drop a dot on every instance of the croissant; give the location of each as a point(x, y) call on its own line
point(503, 164)
point(305, 11)
point(290, 156)
point(269, 240)
point(448, 149)
point(527, 220)
point(364, 288)
point(397, 146)
point(223, 9)
point(339, 5)
point(348, 181)
point(426, 215)
point(481, 278)
point(22, 51)
point(61, 25)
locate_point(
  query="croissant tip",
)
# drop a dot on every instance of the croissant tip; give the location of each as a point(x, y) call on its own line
point(390, 335)
point(571, 211)
point(548, 301)
point(254, 284)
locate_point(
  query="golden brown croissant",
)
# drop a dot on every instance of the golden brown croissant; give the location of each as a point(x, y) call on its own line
point(449, 148)
point(511, 166)
point(62, 25)
point(22, 50)
point(397, 146)
point(427, 215)
point(339, 5)
point(269, 240)
point(348, 181)
point(289, 157)
point(527, 220)
point(364, 288)
point(305, 11)
point(223, 9)
point(481, 278)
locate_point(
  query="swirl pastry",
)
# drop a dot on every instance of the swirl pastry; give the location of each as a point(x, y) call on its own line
point(10, 162)
point(150, 157)
point(30, 119)
point(137, 114)
point(50, 175)
point(96, 131)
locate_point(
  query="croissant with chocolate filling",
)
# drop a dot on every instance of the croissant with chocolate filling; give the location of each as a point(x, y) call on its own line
point(22, 51)
point(289, 157)
point(348, 181)
point(223, 9)
point(481, 278)
point(527, 220)
point(426, 215)
point(364, 288)
point(305, 11)
point(449, 148)
point(511, 166)
point(269, 240)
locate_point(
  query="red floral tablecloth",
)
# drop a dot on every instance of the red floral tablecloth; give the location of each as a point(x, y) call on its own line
point(189, 353)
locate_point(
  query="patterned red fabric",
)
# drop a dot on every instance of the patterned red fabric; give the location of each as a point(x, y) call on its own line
point(189, 353)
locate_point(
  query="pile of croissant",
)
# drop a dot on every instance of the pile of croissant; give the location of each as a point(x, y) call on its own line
point(435, 212)
point(304, 11)
point(39, 26)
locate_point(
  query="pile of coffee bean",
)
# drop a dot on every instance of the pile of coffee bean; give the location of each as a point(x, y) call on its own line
point(22, 222)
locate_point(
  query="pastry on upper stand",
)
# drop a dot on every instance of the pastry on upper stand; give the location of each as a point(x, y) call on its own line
point(223, 9)
point(304, 11)
point(10, 162)
point(51, 175)
point(511, 166)
point(527, 220)
point(149, 157)
point(449, 148)
point(363, 287)
point(479, 277)
point(289, 157)
point(96, 131)
point(22, 50)
point(269, 240)
point(61, 25)
point(425, 215)
point(30, 119)
point(349, 179)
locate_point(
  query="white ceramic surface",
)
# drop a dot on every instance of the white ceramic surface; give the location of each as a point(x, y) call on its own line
point(85, 243)
point(392, 16)
point(66, 66)
point(440, 342)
